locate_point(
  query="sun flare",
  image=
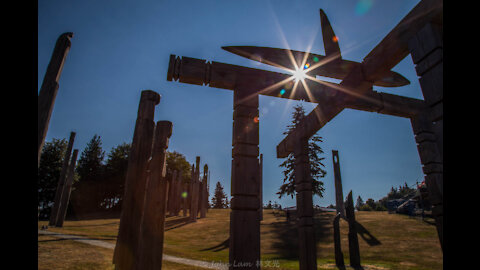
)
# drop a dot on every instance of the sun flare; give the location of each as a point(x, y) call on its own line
point(299, 74)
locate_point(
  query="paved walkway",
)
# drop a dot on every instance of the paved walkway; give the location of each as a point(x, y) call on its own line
point(99, 243)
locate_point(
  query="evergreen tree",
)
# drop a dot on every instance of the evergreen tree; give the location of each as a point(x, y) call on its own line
point(219, 199)
point(88, 195)
point(90, 164)
point(115, 174)
point(359, 203)
point(316, 165)
point(51, 162)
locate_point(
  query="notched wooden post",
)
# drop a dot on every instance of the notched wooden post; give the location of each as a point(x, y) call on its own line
point(61, 182)
point(353, 248)
point(150, 246)
point(244, 218)
point(195, 189)
point(339, 262)
point(204, 196)
point(62, 212)
point(426, 49)
point(338, 184)
point(303, 188)
point(135, 182)
point(49, 88)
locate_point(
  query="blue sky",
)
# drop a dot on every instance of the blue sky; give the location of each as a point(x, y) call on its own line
point(120, 48)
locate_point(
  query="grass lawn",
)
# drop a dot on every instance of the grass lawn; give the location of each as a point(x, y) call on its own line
point(387, 241)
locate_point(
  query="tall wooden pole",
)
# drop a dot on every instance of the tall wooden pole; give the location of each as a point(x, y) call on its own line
point(195, 189)
point(303, 188)
point(339, 262)
point(338, 184)
point(184, 198)
point(171, 194)
point(244, 250)
point(203, 206)
point(353, 248)
point(62, 212)
point(260, 210)
point(178, 193)
point(49, 88)
point(135, 182)
point(61, 182)
point(190, 192)
point(150, 246)
point(426, 49)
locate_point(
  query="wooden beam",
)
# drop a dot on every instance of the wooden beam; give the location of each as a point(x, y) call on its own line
point(388, 53)
point(197, 71)
point(49, 88)
point(394, 46)
point(389, 104)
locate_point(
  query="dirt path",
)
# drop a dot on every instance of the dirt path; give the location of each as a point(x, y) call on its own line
point(99, 243)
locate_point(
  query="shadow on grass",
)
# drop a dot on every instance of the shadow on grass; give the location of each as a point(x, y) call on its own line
point(225, 244)
point(366, 235)
point(92, 225)
point(429, 222)
point(176, 223)
point(287, 234)
point(79, 238)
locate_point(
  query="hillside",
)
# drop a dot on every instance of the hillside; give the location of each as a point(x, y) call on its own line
point(387, 241)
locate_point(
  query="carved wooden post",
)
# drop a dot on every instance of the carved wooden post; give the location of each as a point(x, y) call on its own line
point(303, 187)
point(62, 212)
point(260, 210)
point(244, 219)
point(171, 194)
point(200, 197)
point(337, 242)
point(49, 88)
point(184, 198)
point(135, 182)
point(207, 201)
point(178, 193)
point(203, 206)
point(426, 48)
point(190, 191)
point(195, 186)
point(338, 184)
point(353, 248)
point(61, 182)
point(150, 247)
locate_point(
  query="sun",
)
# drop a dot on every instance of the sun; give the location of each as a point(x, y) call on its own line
point(299, 74)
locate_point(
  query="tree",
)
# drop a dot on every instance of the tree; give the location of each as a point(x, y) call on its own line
point(371, 203)
point(365, 207)
point(269, 205)
point(219, 199)
point(316, 165)
point(114, 176)
point(359, 203)
point(90, 163)
point(177, 161)
point(88, 193)
point(51, 162)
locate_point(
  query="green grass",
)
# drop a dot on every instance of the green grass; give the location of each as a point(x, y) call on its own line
point(402, 242)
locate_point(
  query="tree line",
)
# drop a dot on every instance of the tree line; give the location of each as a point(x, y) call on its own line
point(99, 179)
point(381, 204)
